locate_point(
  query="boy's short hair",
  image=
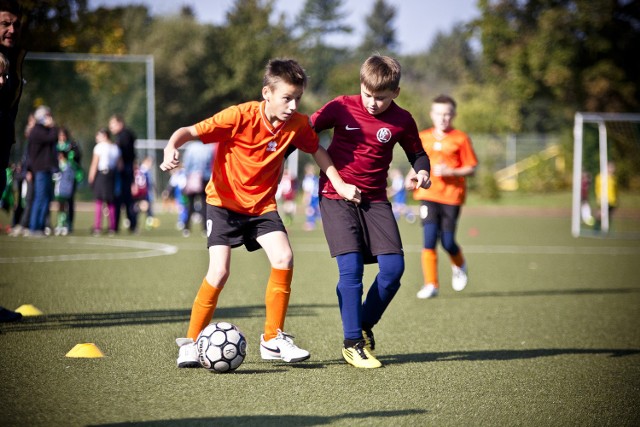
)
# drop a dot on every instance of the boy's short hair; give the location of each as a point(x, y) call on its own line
point(445, 99)
point(286, 70)
point(379, 73)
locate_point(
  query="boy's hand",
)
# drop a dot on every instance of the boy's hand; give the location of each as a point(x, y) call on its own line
point(419, 180)
point(171, 156)
point(350, 193)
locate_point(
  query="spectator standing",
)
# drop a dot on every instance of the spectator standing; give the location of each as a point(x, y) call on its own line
point(198, 159)
point(102, 178)
point(310, 197)
point(64, 183)
point(10, 25)
point(10, 29)
point(287, 194)
point(125, 139)
point(73, 157)
point(610, 192)
point(23, 181)
point(42, 156)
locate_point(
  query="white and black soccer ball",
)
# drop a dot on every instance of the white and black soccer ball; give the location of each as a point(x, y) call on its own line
point(221, 347)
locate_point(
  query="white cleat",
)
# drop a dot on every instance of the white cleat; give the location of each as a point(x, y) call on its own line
point(282, 348)
point(459, 277)
point(428, 291)
point(188, 353)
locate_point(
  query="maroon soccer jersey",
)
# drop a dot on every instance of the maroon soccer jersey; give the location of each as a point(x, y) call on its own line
point(362, 145)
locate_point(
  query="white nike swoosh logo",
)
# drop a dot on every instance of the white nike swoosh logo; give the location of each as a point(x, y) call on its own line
point(347, 127)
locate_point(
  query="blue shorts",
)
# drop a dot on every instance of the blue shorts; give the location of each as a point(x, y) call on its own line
point(228, 228)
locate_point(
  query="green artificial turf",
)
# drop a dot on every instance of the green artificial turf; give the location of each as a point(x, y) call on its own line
point(547, 333)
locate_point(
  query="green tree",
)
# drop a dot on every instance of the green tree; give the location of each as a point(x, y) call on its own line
point(554, 57)
point(318, 20)
point(449, 64)
point(249, 40)
point(380, 35)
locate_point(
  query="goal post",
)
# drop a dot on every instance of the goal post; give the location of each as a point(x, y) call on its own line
point(603, 121)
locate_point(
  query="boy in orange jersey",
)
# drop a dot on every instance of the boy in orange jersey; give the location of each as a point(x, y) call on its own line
point(253, 139)
point(452, 158)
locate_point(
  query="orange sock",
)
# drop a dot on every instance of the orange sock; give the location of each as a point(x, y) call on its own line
point(430, 266)
point(277, 301)
point(458, 259)
point(203, 307)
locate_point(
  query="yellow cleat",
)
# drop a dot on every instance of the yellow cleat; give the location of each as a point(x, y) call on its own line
point(369, 341)
point(360, 357)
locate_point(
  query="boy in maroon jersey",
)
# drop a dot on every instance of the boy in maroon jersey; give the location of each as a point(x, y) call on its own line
point(366, 128)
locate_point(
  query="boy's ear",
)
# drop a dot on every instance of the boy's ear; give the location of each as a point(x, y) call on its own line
point(396, 93)
point(266, 92)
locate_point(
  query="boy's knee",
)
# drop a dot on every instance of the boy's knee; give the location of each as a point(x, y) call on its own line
point(217, 277)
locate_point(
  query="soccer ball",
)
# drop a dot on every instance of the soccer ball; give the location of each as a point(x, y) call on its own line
point(221, 347)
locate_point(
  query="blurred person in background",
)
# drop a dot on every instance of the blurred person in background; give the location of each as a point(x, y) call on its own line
point(125, 139)
point(12, 82)
point(43, 162)
point(197, 166)
point(452, 159)
point(105, 163)
point(73, 157)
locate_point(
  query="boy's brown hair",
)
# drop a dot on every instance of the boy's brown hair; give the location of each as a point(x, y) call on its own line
point(379, 73)
point(445, 99)
point(287, 70)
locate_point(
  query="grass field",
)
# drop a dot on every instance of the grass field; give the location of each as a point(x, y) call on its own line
point(546, 334)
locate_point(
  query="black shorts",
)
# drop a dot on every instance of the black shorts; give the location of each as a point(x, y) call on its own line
point(446, 216)
point(369, 228)
point(228, 228)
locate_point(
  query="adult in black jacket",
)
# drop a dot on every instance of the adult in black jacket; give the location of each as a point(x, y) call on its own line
point(42, 155)
point(125, 139)
point(10, 26)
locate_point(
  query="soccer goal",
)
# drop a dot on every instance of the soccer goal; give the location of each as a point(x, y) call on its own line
point(600, 139)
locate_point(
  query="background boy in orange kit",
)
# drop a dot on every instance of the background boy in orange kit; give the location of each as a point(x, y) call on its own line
point(452, 159)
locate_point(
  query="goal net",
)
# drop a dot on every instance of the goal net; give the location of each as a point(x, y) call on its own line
point(606, 146)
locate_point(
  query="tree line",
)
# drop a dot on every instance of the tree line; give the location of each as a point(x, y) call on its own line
point(521, 66)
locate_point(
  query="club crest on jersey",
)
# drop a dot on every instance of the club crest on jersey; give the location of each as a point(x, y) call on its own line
point(384, 135)
point(272, 145)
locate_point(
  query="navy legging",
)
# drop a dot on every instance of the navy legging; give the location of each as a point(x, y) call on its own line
point(447, 239)
point(354, 313)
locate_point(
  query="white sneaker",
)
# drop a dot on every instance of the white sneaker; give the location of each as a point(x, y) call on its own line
point(282, 348)
point(459, 277)
point(427, 291)
point(188, 353)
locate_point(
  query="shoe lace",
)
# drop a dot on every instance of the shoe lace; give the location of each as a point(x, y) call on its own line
point(369, 339)
point(359, 347)
point(286, 338)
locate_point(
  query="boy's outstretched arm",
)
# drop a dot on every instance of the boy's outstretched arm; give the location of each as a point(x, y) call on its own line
point(177, 140)
point(349, 192)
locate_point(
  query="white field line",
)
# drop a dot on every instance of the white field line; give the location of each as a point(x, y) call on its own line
point(147, 250)
point(505, 249)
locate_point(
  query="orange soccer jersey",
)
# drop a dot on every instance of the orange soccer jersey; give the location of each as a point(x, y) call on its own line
point(250, 155)
point(454, 150)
